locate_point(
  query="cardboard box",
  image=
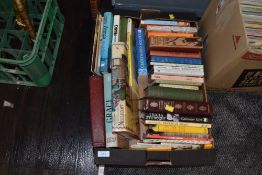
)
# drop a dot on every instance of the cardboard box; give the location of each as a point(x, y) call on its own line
point(230, 62)
point(128, 157)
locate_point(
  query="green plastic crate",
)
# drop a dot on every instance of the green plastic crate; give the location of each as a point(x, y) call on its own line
point(21, 61)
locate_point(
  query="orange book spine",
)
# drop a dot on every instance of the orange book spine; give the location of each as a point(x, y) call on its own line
point(169, 34)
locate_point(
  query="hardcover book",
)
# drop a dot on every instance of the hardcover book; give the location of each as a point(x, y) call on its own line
point(177, 107)
point(172, 93)
point(97, 114)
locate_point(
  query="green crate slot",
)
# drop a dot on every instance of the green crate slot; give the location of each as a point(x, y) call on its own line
point(21, 61)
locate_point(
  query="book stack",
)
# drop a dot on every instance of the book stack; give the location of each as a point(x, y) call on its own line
point(176, 113)
point(252, 18)
point(153, 85)
point(113, 63)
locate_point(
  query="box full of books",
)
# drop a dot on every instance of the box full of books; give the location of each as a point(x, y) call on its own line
point(148, 99)
point(232, 32)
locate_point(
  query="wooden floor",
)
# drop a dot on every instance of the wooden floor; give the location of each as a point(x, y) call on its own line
point(47, 130)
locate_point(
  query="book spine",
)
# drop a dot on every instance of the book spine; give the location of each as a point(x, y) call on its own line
point(95, 42)
point(188, 66)
point(157, 136)
point(174, 82)
point(123, 29)
point(169, 34)
point(97, 113)
point(170, 146)
point(176, 117)
point(180, 129)
point(179, 43)
point(178, 78)
point(179, 86)
point(171, 93)
point(106, 42)
point(189, 70)
point(176, 141)
point(111, 139)
point(171, 29)
point(116, 29)
point(176, 60)
point(175, 54)
point(141, 63)
point(177, 107)
point(99, 46)
point(165, 23)
point(133, 86)
point(172, 123)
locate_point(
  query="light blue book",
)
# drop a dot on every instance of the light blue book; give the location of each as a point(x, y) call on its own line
point(141, 62)
point(159, 22)
point(106, 42)
point(108, 107)
point(176, 60)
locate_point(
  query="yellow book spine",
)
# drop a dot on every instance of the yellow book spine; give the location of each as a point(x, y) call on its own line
point(130, 61)
point(258, 26)
point(180, 129)
point(172, 123)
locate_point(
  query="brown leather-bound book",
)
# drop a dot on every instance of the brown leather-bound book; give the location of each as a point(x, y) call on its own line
point(97, 114)
point(175, 43)
point(176, 106)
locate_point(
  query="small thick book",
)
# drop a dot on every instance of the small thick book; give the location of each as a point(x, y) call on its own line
point(97, 115)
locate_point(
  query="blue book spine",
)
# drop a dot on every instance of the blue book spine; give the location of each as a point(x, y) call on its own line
point(106, 42)
point(108, 104)
point(176, 60)
point(160, 22)
point(141, 61)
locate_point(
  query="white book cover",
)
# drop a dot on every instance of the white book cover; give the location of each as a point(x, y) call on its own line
point(116, 29)
point(182, 71)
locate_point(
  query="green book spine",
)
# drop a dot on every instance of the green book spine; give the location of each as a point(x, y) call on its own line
point(123, 29)
point(173, 93)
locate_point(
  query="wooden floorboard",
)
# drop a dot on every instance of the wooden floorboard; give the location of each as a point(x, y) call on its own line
point(47, 131)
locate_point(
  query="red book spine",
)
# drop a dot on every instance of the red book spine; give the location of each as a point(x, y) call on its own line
point(177, 107)
point(97, 114)
point(155, 136)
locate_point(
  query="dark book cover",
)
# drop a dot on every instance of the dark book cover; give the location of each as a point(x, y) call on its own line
point(177, 106)
point(173, 93)
point(97, 114)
